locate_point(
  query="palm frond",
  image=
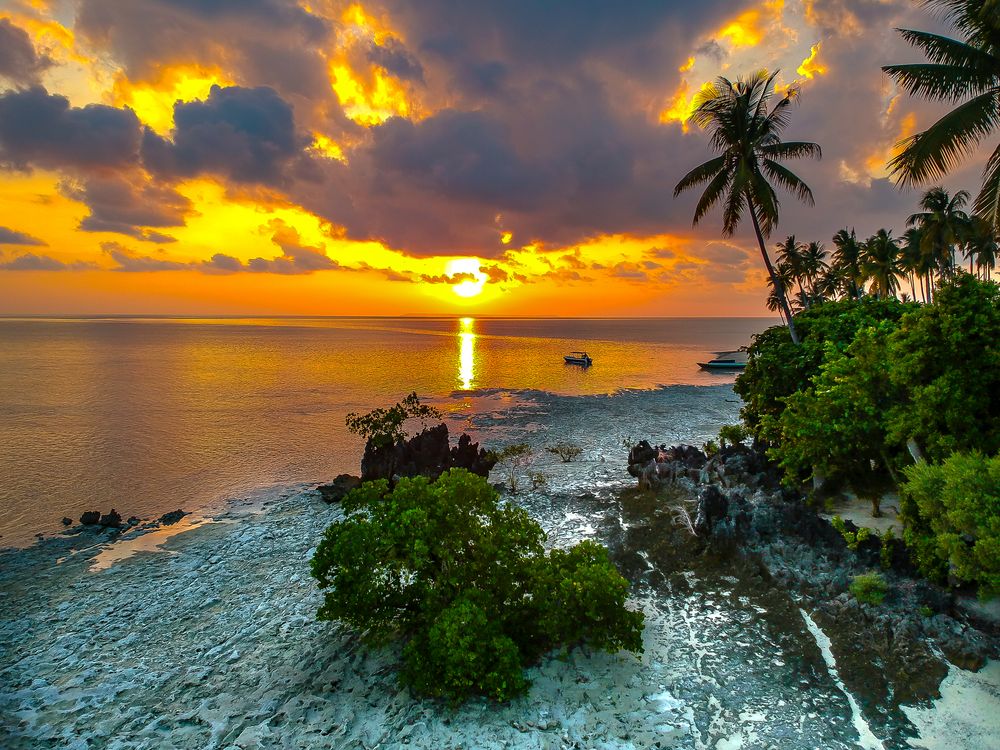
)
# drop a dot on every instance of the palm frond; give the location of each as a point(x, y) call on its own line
point(948, 51)
point(942, 146)
point(987, 203)
point(792, 150)
point(712, 195)
point(789, 181)
point(940, 81)
point(701, 173)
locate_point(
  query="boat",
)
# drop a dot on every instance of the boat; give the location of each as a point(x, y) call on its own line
point(725, 361)
point(578, 358)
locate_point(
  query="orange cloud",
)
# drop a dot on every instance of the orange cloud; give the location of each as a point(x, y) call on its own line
point(153, 100)
point(811, 66)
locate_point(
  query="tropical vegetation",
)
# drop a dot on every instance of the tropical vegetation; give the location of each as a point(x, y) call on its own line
point(746, 132)
point(963, 72)
point(466, 586)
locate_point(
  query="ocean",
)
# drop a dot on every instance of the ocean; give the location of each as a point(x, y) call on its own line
point(146, 415)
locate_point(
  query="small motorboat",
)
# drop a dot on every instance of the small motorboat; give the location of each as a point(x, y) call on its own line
point(725, 361)
point(578, 358)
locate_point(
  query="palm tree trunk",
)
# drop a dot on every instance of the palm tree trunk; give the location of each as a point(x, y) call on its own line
point(770, 270)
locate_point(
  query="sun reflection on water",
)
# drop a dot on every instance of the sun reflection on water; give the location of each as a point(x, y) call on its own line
point(466, 353)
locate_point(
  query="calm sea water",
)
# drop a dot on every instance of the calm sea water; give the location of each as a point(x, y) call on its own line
point(148, 415)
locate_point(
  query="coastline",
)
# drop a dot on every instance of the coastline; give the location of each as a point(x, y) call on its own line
point(212, 642)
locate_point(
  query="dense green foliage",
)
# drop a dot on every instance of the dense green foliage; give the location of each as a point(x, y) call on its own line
point(777, 368)
point(464, 581)
point(877, 384)
point(869, 588)
point(953, 509)
point(383, 427)
point(945, 361)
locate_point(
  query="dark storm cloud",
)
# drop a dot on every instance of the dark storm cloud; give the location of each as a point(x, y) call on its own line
point(19, 62)
point(13, 237)
point(128, 206)
point(246, 135)
point(143, 34)
point(42, 129)
point(33, 262)
point(394, 58)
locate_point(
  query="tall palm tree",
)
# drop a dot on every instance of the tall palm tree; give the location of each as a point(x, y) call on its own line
point(847, 259)
point(790, 255)
point(913, 262)
point(981, 247)
point(942, 225)
point(746, 132)
point(965, 70)
point(814, 264)
point(880, 263)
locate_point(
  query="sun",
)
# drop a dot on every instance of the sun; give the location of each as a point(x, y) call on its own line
point(468, 287)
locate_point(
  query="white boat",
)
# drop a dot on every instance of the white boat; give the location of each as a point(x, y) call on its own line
point(726, 361)
point(578, 358)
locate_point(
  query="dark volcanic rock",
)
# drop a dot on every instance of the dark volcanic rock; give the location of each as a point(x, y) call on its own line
point(712, 507)
point(91, 518)
point(67, 521)
point(339, 487)
point(172, 517)
point(111, 520)
point(425, 454)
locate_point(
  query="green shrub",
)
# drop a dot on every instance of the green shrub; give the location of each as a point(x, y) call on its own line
point(384, 427)
point(869, 588)
point(466, 584)
point(513, 459)
point(945, 361)
point(952, 512)
point(732, 434)
point(566, 451)
point(777, 368)
point(853, 538)
point(835, 427)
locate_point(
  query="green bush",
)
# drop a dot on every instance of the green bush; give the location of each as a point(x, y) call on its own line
point(732, 434)
point(836, 426)
point(869, 588)
point(853, 538)
point(566, 451)
point(952, 512)
point(777, 368)
point(465, 583)
point(384, 427)
point(945, 360)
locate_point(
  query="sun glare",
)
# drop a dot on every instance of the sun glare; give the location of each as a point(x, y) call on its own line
point(469, 287)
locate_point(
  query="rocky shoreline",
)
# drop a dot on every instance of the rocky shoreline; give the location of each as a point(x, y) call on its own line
point(893, 653)
point(211, 641)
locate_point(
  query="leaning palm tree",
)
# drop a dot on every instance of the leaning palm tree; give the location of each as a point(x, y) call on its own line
point(746, 132)
point(942, 224)
point(880, 263)
point(965, 70)
point(847, 260)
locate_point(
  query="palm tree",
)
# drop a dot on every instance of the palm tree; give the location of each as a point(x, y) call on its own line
point(913, 262)
point(981, 247)
point(880, 263)
point(965, 70)
point(814, 264)
point(746, 132)
point(847, 259)
point(942, 225)
point(790, 254)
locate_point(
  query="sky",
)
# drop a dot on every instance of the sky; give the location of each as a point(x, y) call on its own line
point(284, 157)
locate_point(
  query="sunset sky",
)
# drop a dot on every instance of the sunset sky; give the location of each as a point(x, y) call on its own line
point(421, 157)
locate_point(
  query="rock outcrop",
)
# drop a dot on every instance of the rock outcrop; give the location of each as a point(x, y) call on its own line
point(427, 453)
point(90, 518)
point(336, 490)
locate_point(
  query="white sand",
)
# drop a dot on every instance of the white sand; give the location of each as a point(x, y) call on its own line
point(966, 715)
